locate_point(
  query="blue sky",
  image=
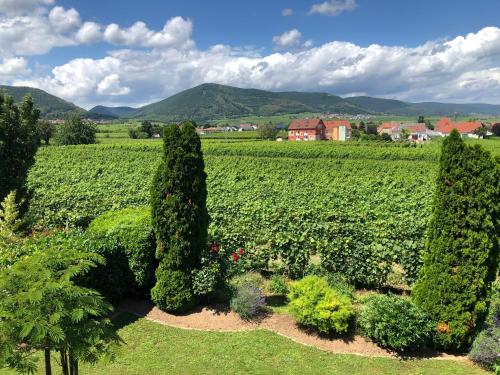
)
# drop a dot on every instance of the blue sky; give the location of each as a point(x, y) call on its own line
point(411, 50)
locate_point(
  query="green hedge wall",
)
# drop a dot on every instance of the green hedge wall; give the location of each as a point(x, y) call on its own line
point(132, 230)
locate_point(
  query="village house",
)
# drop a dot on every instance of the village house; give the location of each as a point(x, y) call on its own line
point(247, 127)
point(417, 132)
point(337, 130)
point(307, 130)
point(445, 126)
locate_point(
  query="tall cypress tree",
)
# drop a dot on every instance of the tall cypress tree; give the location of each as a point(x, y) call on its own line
point(180, 216)
point(461, 256)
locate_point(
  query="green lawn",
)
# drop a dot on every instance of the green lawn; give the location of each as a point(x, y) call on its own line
point(154, 349)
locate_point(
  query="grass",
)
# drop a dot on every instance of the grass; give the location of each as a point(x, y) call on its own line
point(154, 349)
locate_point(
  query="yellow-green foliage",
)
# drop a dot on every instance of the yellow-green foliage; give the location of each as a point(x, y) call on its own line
point(9, 216)
point(313, 303)
point(132, 230)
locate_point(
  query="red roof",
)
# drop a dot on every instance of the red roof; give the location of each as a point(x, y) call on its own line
point(395, 127)
point(414, 128)
point(337, 123)
point(303, 124)
point(445, 125)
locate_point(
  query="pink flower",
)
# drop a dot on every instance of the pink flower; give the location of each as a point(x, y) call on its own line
point(236, 257)
point(214, 248)
point(241, 251)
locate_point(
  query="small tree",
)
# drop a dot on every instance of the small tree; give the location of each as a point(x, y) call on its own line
point(147, 127)
point(461, 256)
point(268, 131)
point(18, 142)
point(9, 216)
point(495, 129)
point(482, 131)
point(75, 131)
point(41, 309)
point(180, 217)
point(45, 131)
point(421, 120)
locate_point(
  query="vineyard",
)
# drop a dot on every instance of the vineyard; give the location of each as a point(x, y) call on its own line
point(360, 210)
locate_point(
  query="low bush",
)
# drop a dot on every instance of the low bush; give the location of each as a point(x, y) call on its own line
point(131, 228)
point(395, 322)
point(253, 279)
point(315, 304)
point(486, 347)
point(278, 285)
point(248, 301)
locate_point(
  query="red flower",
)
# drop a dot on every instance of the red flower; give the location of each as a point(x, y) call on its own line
point(214, 248)
point(241, 251)
point(235, 257)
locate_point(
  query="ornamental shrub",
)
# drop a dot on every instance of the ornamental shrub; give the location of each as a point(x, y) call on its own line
point(395, 322)
point(314, 304)
point(180, 217)
point(278, 285)
point(19, 142)
point(486, 347)
point(253, 279)
point(132, 229)
point(461, 257)
point(248, 301)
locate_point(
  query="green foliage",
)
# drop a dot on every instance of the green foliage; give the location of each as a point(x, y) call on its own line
point(42, 308)
point(486, 347)
point(314, 304)
point(267, 131)
point(180, 217)
point(9, 216)
point(279, 285)
point(45, 130)
point(18, 142)
point(373, 213)
point(131, 228)
point(173, 290)
point(75, 131)
point(253, 279)
point(395, 323)
point(114, 279)
point(461, 257)
point(248, 301)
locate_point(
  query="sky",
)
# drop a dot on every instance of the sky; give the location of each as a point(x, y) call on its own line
point(137, 52)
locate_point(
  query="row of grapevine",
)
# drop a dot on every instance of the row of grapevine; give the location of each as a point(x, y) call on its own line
point(361, 216)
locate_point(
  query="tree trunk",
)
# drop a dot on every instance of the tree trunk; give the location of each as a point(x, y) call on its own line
point(73, 365)
point(64, 362)
point(48, 367)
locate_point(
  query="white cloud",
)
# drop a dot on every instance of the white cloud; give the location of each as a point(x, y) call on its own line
point(89, 33)
point(13, 67)
point(111, 86)
point(63, 20)
point(333, 7)
point(29, 35)
point(288, 39)
point(463, 69)
point(176, 32)
point(23, 6)
point(288, 12)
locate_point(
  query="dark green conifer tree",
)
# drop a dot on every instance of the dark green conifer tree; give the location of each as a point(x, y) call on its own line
point(461, 257)
point(180, 217)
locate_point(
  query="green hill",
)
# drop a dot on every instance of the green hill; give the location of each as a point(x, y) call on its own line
point(212, 101)
point(114, 112)
point(51, 106)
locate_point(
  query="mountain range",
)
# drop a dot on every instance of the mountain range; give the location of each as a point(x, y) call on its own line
point(213, 101)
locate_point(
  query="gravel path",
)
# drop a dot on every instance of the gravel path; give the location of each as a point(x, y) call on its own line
point(223, 320)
